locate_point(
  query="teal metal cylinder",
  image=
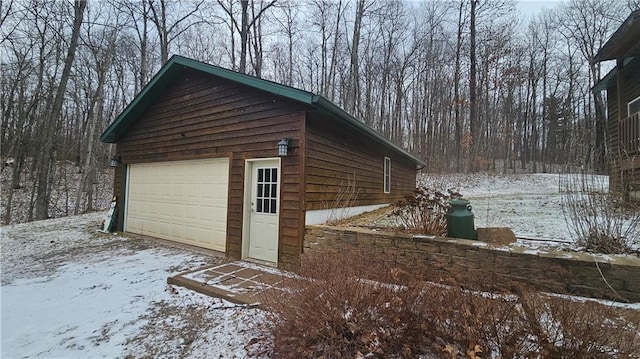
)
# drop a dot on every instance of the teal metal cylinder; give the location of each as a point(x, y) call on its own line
point(460, 220)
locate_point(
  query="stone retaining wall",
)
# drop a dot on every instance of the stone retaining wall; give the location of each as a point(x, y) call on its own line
point(545, 270)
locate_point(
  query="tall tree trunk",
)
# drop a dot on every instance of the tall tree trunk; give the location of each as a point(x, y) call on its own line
point(456, 93)
point(48, 149)
point(144, 60)
point(331, 90)
point(95, 115)
point(353, 92)
point(473, 110)
point(160, 20)
point(256, 42)
point(244, 35)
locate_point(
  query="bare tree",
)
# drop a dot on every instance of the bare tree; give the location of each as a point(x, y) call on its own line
point(399, 66)
point(589, 23)
point(288, 24)
point(139, 14)
point(473, 105)
point(6, 11)
point(456, 96)
point(244, 26)
point(171, 20)
point(353, 87)
point(101, 45)
point(47, 158)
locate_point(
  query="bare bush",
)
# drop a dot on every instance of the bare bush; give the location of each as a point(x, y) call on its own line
point(358, 304)
point(343, 201)
point(425, 211)
point(599, 221)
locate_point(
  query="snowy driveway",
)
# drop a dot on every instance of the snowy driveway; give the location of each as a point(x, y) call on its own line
point(68, 291)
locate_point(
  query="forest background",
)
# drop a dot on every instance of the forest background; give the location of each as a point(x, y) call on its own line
point(465, 85)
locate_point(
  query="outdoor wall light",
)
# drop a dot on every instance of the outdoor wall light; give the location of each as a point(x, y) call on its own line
point(283, 146)
point(115, 161)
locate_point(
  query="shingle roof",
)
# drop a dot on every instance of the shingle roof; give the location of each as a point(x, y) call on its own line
point(624, 42)
point(177, 64)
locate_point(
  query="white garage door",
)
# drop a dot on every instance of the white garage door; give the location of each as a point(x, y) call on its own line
point(183, 201)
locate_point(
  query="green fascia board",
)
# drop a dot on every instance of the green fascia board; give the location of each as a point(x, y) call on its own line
point(329, 107)
point(255, 82)
point(624, 32)
point(606, 81)
point(176, 65)
point(141, 102)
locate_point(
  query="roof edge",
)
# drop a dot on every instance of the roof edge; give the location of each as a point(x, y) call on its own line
point(176, 65)
point(110, 135)
point(603, 53)
point(325, 104)
point(256, 82)
point(611, 75)
point(171, 69)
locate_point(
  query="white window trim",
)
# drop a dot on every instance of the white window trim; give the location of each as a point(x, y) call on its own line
point(637, 99)
point(387, 173)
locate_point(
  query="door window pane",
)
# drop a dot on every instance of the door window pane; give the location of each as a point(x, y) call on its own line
point(267, 191)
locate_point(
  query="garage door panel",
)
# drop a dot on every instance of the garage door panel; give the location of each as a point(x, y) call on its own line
point(184, 201)
point(205, 212)
point(179, 210)
point(177, 190)
point(177, 230)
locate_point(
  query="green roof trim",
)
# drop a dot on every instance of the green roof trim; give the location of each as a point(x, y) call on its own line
point(604, 82)
point(608, 79)
point(177, 64)
point(327, 106)
point(623, 42)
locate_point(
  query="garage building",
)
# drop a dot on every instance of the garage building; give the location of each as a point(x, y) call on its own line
point(230, 162)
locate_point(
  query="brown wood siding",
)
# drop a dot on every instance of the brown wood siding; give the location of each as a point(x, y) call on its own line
point(201, 116)
point(615, 181)
point(620, 179)
point(337, 153)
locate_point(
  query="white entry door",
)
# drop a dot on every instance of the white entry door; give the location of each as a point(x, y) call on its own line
point(264, 208)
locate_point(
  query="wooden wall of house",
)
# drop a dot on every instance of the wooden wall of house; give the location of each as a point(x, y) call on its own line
point(615, 180)
point(623, 171)
point(337, 156)
point(202, 116)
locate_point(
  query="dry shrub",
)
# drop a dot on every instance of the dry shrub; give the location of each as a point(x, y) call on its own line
point(569, 329)
point(599, 221)
point(358, 304)
point(424, 211)
point(339, 207)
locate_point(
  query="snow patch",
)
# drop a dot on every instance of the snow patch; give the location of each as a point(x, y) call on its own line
point(70, 293)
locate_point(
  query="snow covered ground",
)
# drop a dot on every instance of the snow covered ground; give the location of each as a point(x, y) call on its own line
point(71, 292)
point(529, 204)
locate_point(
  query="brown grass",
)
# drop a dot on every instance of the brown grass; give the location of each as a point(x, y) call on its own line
point(362, 304)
